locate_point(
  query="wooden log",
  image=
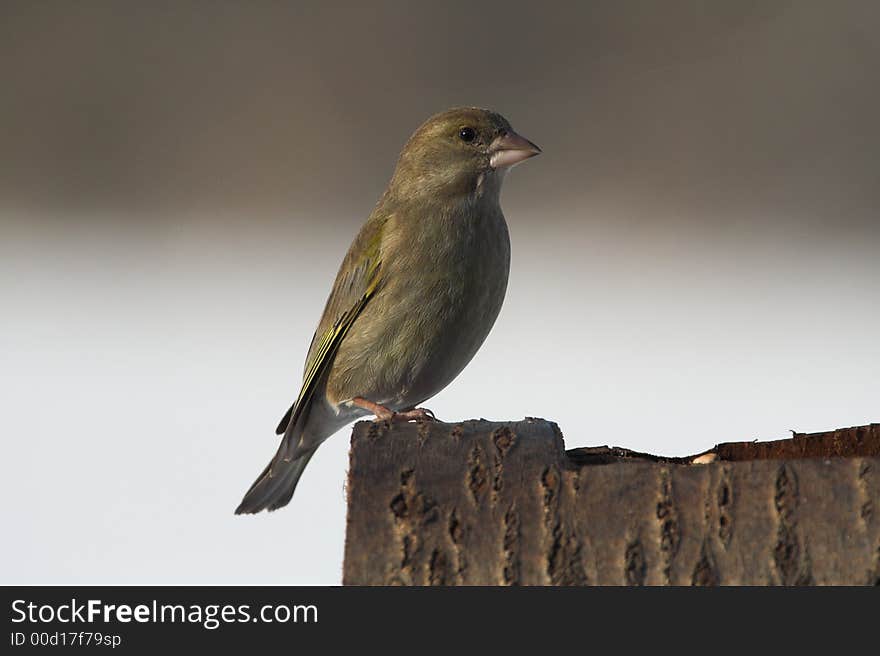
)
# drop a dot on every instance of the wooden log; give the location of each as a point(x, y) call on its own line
point(484, 503)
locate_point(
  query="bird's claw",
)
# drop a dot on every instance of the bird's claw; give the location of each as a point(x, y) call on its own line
point(416, 414)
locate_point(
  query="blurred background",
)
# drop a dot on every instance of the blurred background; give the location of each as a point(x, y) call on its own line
point(695, 255)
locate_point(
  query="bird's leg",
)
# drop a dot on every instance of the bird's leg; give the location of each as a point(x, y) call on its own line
point(383, 414)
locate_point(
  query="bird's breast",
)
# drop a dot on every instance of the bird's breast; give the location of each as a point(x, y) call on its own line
point(442, 290)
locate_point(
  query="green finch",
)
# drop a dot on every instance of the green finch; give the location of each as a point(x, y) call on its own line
point(415, 297)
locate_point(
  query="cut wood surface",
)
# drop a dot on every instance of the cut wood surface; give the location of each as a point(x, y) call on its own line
point(486, 503)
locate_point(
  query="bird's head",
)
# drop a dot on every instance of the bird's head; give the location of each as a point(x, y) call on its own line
point(461, 151)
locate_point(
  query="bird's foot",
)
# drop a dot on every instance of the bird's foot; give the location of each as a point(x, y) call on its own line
point(416, 414)
point(387, 414)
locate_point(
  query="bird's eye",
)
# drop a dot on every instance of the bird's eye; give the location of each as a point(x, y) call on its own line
point(467, 134)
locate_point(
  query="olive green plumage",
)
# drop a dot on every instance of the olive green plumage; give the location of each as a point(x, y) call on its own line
point(416, 294)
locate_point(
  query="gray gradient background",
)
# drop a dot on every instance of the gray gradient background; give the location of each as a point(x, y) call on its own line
point(694, 255)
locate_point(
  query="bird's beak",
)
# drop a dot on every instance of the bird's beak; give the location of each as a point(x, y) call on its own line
point(509, 148)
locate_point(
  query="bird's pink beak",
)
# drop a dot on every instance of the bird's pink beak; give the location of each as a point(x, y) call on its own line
point(509, 149)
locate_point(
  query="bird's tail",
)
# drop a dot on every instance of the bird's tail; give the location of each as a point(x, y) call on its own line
point(274, 488)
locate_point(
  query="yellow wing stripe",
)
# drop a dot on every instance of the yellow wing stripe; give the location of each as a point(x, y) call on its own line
point(328, 345)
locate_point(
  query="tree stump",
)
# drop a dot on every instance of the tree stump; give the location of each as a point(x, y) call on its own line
point(485, 503)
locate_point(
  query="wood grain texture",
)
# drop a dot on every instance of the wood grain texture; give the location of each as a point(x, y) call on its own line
point(484, 503)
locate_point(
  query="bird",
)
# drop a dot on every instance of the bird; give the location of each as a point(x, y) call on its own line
point(415, 296)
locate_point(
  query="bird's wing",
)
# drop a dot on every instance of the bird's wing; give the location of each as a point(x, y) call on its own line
point(357, 281)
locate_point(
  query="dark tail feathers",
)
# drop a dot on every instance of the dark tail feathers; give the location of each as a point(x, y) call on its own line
point(274, 487)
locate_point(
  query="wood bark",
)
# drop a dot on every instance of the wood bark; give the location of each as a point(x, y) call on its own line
point(484, 503)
